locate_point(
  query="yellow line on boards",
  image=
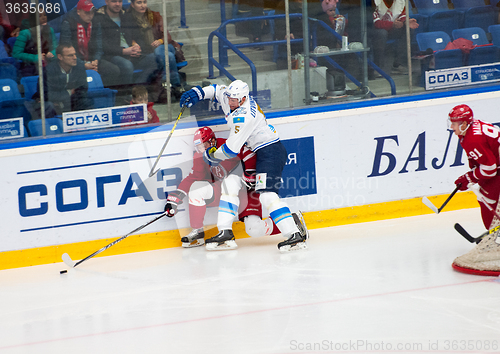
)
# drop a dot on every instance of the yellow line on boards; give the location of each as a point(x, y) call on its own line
point(168, 239)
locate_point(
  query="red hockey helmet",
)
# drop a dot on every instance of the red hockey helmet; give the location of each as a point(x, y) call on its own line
point(202, 136)
point(461, 113)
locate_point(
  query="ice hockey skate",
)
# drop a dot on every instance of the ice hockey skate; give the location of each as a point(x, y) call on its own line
point(194, 239)
point(224, 240)
point(294, 243)
point(301, 224)
point(484, 259)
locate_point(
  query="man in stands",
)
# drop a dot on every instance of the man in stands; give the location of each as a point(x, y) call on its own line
point(65, 81)
point(480, 141)
point(80, 29)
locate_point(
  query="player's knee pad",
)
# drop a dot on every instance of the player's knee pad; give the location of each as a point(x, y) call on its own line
point(231, 185)
point(199, 192)
point(254, 226)
point(268, 199)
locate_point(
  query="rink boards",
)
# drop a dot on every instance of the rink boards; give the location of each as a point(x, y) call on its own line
point(358, 164)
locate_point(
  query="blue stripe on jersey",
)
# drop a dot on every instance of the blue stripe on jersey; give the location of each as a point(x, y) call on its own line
point(265, 144)
point(215, 93)
point(226, 207)
point(227, 151)
point(280, 214)
point(238, 120)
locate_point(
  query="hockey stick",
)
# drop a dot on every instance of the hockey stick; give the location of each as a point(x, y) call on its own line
point(431, 206)
point(153, 172)
point(471, 239)
point(70, 263)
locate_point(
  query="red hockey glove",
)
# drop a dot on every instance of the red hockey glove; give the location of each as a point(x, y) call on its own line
point(248, 179)
point(462, 182)
point(173, 200)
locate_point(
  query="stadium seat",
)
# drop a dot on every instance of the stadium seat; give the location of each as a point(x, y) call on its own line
point(427, 7)
point(8, 71)
point(445, 21)
point(53, 126)
point(30, 84)
point(443, 59)
point(9, 90)
point(474, 34)
point(482, 16)
point(5, 58)
point(435, 40)
point(467, 4)
point(451, 58)
point(484, 55)
point(495, 34)
point(103, 97)
point(11, 102)
point(11, 42)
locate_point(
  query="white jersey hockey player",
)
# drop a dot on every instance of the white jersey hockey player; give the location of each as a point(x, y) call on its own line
point(248, 125)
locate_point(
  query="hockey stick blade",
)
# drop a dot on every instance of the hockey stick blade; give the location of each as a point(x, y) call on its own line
point(68, 261)
point(431, 206)
point(471, 239)
point(464, 233)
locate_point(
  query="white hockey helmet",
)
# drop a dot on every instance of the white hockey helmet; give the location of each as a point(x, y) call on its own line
point(238, 89)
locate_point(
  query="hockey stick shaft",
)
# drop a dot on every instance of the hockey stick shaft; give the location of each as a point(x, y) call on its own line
point(436, 210)
point(152, 171)
point(119, 239)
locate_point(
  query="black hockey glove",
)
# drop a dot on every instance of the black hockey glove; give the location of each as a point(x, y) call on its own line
point(173, 200)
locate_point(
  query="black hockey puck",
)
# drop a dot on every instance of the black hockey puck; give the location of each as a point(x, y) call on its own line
point(63, 271)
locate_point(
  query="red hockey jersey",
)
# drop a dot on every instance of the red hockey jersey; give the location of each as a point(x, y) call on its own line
point(481, 143)
point(201, 171)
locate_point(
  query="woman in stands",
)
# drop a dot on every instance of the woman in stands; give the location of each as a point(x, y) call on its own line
point(146, 29)
point(25, 48)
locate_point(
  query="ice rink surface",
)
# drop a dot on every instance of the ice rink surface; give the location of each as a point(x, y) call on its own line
point(384, 286)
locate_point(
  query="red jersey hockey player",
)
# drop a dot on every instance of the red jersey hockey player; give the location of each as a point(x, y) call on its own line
point(203, 186)
point(481, 143)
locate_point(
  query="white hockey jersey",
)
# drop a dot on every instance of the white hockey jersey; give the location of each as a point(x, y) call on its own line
point(247, 124)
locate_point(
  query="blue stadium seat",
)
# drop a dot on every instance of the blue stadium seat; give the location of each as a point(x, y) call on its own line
point(474, 34)
point(11, 102)
point(8, 71)
point(427, 7)
point(53, 126)
point(484, 55)
point(435, 40)
point(11, 42)
point(495, 34)
point(30, 84)
point(9, 90)
point(445, 21)
point(482, 16)
point(5, 58)
point(103, 97)
point(451, 58)
point(467, 4)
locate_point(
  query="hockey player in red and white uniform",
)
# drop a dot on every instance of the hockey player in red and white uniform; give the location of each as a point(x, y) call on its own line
point(248, 127)
point(481, 143)
point(203, 187)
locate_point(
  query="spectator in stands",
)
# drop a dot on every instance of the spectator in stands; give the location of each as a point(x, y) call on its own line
point(140, 96)
point(389, 21)
point(80, 29)
point(25, 48)
point(119, 48)
point(65, 81)
point(146, 29)
point(294, 6)
point(255, 29)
